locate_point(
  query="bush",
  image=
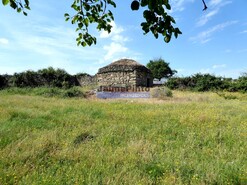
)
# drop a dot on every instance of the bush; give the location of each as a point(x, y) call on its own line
point(205, 82)
point(241, 83)
point(187, 83)
point(73, 92)
point(49, 77)
point(26, 79)
point(3, 82)
point(161, 92)
point(57, 78)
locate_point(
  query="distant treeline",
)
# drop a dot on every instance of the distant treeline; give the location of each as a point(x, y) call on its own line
point(208, 82)
point(48, 77)
point(51, 77)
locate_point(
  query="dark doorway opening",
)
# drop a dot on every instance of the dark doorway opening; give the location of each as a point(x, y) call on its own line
point(148, 82)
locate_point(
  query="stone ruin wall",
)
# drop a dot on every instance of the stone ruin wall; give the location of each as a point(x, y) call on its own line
point(117, 79)
point(141, 79)
point(123, 79)
point(87, 80)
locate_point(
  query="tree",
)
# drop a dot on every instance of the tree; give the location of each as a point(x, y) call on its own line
point(160, 69)
point(241, 84)
point(88, 12)
point(3, 81)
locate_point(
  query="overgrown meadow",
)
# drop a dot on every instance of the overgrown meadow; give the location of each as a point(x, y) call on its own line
point(191, 138)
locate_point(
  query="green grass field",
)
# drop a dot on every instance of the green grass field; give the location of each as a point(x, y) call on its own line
point(191, 138)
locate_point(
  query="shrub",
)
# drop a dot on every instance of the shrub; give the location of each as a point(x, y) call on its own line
point(73, 92)
point(57, 78)
point(161, 92)
point(204, 82)
point(48, 77)
point(3, 82)
point(26, 79)
point(186, 83)
point(241, 83)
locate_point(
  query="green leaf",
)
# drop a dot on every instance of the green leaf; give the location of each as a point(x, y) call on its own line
point(151, 4)
point(176, 34)
point(13, 5)
point(168, 6)
point(167, 38)
point(84, 44)
point(80, 25)
point(113, 4)
point(156, 35)
point(178, 31)
point(86, 22)
point(5, 2)
point(27, 2)
point(144, 3)
point(135, 5)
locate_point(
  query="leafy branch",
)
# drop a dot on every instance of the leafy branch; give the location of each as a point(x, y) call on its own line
point(157, 19)
point(18, 5)
point(89, 12)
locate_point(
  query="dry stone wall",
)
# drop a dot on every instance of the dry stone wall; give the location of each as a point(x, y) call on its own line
point(144, 79)
point(87, 80)
point(126, 78)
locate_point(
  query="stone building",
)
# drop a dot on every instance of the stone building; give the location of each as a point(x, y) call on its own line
point(125, 73)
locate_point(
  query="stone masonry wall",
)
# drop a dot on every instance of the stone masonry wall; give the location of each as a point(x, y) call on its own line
point(142, 79)
point(123, 79)
point(127, 78)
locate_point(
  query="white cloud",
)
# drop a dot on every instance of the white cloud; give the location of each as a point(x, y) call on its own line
point(242, 51)
point(205, 18)
point(228, 51)
point(51, 45)
point(179, 5)
point(206, 71)
point(223, 72)
point(181, 70)
point(214, 2)
point(116, 48)
point(219, 66)
point(120, 38)
point(245, 31)
point(218, 3)
point(205, 36)
point(39, 45)
point(113, 49)
point(214, 7)
point(4, 41)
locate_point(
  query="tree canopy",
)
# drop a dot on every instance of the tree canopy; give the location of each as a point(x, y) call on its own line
point(160, 69)
point(88, 12)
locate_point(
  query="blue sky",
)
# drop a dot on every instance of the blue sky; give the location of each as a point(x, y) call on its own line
point(213, 41)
